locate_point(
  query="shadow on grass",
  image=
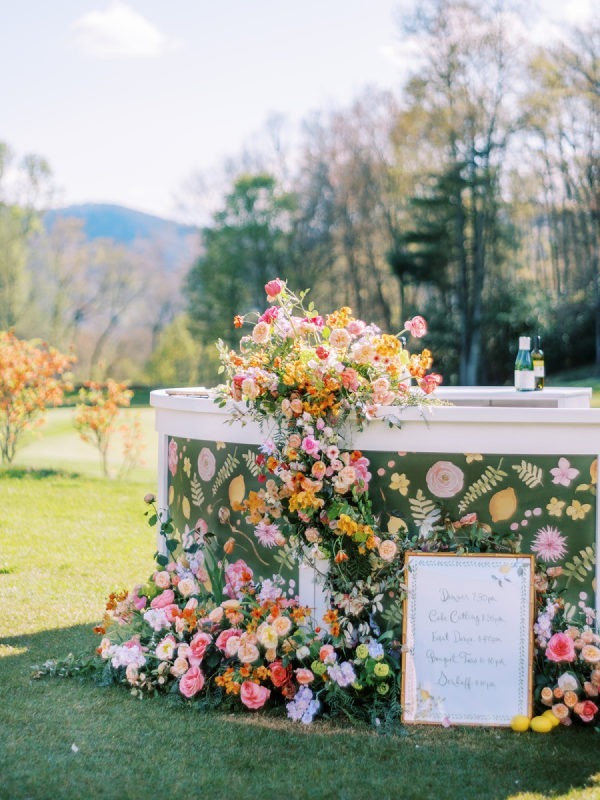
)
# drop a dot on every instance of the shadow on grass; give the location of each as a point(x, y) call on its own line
point(36, 473)
point(68, 738)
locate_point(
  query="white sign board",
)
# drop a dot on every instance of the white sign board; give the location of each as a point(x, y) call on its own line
point(468, 639)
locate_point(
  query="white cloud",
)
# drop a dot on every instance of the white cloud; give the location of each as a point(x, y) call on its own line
point(118, 31)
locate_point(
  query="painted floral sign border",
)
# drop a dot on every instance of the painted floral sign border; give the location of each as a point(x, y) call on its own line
point(549, 500)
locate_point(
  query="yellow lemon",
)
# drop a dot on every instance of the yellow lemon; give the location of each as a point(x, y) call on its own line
point(594, 471)
point(549, 714)
point(185, 507)
point(520, 723)
point(541, 725)
point(503, 504)
point(237, 490)
point(171, 494)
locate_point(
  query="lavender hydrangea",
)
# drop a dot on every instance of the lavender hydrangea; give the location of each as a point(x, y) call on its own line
point(304, 707)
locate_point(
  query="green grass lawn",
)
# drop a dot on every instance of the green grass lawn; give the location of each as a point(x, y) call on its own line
point(67, 538)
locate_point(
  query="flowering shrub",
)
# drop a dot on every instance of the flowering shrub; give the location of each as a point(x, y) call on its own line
point(33, 376)
point(96, 420)
point(568, 657)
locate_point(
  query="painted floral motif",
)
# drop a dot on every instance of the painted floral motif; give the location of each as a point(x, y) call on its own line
point(206, 464)
point(445, 479)
point(549, 545)
point(173, 457)
point(564, 473)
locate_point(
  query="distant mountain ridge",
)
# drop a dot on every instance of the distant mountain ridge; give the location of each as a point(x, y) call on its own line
point(119, 223)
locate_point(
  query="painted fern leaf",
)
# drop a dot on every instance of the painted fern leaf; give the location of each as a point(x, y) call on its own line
point(226, 471)
point(249, 458)
point(491, 477)
point(420, 506)
point(529, 473)
point(197, 492)
point(581, 565)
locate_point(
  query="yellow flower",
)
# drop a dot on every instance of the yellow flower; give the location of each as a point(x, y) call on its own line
point(187, 466)
point(555, 507)
point(347, 525)
point(473, 457)
point(578, 510)
point(400, 483)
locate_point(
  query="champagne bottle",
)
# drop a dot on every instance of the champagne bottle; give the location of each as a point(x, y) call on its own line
point(537, 356)
point(524, 376)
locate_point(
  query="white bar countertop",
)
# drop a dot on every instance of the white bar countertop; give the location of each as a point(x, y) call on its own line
point(549, 397)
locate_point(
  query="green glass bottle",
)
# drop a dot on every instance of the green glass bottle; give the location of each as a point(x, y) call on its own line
point(524, 376)
point(537, 356)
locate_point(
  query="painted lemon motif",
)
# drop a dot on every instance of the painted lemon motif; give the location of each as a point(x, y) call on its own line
point(396, 524)
point(554, 720)
point(520, 723)
point(185, 507)
point(594, 471)
point(171, 494)
point(503, 504)
point(541, 724)
point(237, 490)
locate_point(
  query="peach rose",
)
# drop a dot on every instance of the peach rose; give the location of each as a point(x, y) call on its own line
point(445, 479)
point(253, 695)
point(162, 579)
point(282, 626)
point(570, 699)
point(387, 550)
point(304, 676)
point(327, 654)
point(180, 666)
point(560, 711)
point(247, 652)
point(191, 682)
point(560, 648)
point(547, 696)
point(591, 654)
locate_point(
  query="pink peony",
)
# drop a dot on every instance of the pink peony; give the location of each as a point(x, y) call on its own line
point(191, 682)
point(416, 326)
point(198, 647)
point(163, 599)
point(253, 695)
point(273, 288)
point(560, 648)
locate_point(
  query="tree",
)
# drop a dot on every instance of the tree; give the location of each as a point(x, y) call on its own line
point(459, 100)
point(32, 377)
point(23, 187)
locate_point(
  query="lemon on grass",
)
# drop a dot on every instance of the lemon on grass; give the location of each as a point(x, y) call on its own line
point(541, 724)
point(520, 723)
point(552, 717)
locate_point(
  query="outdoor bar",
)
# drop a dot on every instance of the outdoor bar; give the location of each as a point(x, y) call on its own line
point(525, 469)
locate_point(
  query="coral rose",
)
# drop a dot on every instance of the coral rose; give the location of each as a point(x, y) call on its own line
point(304, 676)
point(273, 288)
point(253, 695)
point(279, 674)
point(560, 648)
point(191, 682)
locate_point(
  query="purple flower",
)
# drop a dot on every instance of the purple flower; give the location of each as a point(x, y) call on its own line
point(549, 545)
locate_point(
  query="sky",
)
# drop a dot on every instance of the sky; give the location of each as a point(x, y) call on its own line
point(129, 99)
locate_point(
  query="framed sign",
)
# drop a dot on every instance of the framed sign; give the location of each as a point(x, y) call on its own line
point(468, 638)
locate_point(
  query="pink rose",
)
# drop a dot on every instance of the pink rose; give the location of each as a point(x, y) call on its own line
point(191, 682)
point(253, 695)
point(163, 599)
point(586, 710)
point(445, 479)
point(198, 647)
point(310, 446)
point(270, 315)
point(224, 636)
point(429, 383)
point(273, 288)
point(416, 326)
point(560, 648)
point(173, 458)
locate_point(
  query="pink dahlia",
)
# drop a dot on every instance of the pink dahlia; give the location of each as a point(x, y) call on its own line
point(549, 544)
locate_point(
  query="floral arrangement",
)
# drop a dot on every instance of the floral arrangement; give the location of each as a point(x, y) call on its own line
point(568, 656)
point(304, 377)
